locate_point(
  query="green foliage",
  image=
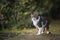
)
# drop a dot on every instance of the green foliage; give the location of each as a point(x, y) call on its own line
point(16, 13)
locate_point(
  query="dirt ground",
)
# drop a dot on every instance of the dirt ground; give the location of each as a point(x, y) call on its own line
point(18, 36)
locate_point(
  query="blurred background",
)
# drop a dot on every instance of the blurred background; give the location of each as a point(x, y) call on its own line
point(15, 18)
point(15, 14)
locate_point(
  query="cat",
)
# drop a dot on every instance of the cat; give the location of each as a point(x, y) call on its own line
point(41, 23)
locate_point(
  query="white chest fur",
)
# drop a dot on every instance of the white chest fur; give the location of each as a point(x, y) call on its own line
point(35, 21)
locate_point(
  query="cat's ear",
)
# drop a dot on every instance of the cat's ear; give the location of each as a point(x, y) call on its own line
point(31, 14)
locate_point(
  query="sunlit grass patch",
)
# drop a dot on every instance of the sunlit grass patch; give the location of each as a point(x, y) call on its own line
point(55, 27)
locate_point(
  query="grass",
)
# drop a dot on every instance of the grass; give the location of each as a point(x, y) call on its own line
point(29, 34)
point(54, 28)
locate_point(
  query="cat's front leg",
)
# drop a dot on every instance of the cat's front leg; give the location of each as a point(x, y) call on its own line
point(39, 31)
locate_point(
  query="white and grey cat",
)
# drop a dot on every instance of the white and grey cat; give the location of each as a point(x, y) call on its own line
point(41, 23)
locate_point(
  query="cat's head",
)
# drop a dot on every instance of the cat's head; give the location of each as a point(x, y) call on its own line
point(34, 15)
